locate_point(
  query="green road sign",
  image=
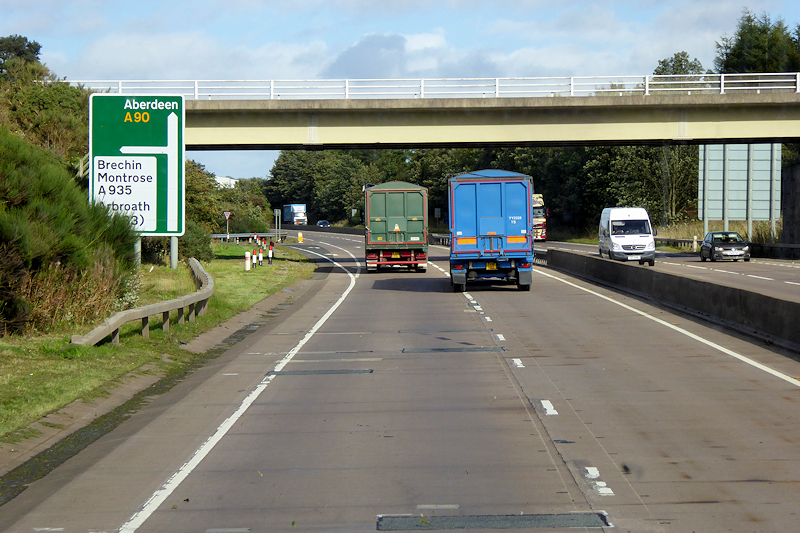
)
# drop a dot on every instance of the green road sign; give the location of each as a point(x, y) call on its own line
point(136, 146)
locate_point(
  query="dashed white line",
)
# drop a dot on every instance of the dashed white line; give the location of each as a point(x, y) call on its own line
point(593, 476)
point(760, 277)
point(500, 336)
point(549, 410)
point(517, 363)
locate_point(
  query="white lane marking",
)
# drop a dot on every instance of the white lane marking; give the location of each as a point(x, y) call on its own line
point(160, 495)
point(791, 283)
point(549, 410)
point(230, 374)
point(517, 363)
point(751, 362)
point(593, 475)
point(488, 319)
point(760, 277)
point(603, 489)
point(500, 336)
point(433, 507)
point(440, 269)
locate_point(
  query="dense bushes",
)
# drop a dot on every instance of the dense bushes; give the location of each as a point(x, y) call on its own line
point(50, 233)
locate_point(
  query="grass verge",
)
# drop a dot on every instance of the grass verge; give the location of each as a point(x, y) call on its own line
point(41, 374)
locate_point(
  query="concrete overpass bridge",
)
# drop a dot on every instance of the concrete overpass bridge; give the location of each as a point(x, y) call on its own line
point(611, 110)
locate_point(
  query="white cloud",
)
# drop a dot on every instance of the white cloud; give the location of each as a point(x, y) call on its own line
point(193, 56)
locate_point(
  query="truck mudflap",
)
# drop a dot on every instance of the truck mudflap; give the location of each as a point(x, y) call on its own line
point(525, 277)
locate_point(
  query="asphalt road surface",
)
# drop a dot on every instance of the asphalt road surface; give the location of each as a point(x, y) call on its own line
point(388, 402)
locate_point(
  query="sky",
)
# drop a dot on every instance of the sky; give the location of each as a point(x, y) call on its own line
point(83, 40)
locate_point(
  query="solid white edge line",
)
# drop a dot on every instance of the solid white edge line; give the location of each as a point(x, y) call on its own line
point(160, 495)
point(689, 334)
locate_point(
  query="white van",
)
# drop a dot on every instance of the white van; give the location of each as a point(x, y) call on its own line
point(627, 235)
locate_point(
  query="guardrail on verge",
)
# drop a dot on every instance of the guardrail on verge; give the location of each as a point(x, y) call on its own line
point(196, 302)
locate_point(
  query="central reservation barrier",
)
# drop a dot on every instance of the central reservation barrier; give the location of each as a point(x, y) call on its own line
point(751, 313)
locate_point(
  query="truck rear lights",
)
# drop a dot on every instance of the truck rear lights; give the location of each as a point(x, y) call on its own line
point(373, 257)
point(525, 265)
point(422, 255)
point(458, 267)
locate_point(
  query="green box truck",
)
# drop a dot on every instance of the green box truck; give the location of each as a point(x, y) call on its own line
point(396, 226)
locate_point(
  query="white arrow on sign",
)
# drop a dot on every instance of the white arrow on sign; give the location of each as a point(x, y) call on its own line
point(171, 151)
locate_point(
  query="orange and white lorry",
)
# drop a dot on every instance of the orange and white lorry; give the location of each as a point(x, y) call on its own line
point(539, 218)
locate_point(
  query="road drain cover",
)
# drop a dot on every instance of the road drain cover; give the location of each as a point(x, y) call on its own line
point(423, 523)
point(311, 372)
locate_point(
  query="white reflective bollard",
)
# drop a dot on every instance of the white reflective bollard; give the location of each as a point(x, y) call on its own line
point(247, 261)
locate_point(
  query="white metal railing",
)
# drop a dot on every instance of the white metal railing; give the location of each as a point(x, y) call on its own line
point(788, 82)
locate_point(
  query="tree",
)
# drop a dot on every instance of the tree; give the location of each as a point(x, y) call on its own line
point(759, 45)
point(202, 196)
point(250, 208)
point(679, 64)
point(17, 47)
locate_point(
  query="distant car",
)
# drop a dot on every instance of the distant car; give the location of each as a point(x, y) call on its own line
point(719, 245)
point(324, 224)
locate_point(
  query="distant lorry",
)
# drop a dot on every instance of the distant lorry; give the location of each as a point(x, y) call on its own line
point(295, 214)
point(539, 218)
point(625, 234)
point(396, 226)
point(490, 228)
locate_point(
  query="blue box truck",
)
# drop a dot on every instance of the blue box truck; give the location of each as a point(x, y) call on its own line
point(490, 228)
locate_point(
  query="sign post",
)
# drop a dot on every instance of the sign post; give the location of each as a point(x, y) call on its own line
point(137, 151)
point(227, 216)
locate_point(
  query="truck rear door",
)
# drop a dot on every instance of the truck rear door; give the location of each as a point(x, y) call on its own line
point(490, 217)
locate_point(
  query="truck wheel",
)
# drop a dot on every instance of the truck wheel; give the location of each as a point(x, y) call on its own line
point(421, 269)
point(525, 288)
point(459, 287)
point(652, 262)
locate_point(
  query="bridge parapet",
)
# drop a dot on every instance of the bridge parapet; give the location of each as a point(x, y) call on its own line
point(528, 87)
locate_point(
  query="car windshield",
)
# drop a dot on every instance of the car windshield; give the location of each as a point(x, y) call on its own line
point(722, 238)
point(630, 227)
